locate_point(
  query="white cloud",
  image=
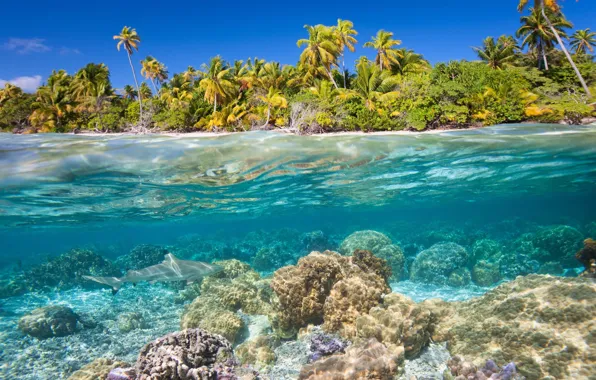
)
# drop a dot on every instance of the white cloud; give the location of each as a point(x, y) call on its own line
point(27, 84)
point(67, 51)
point(26, 45)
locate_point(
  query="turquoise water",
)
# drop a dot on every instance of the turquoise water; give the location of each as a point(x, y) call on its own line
point(223, 197)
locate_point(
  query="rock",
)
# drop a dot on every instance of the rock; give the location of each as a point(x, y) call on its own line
point(560, 243)
point(551, 267)
point(184, 355)
point(97, 369)
point(466, 370)
point(370, 360)
point(131, 321)
point(62, 272)
point(587, 256)
point(430, 364)
point(49, 321)
point(142, 256)
point(327, 287)
point(487, 250)
point(485, 273)
point(438, 263)
point(379, 244)
point(542, 323)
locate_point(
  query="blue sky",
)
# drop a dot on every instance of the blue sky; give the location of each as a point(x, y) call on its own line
point(38, 36)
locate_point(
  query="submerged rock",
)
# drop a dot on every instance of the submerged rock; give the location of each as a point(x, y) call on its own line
point(62, 272)
point(466, 370)
point(98, 369)
point(370, 360)
point(142, 256)
point(559, 243)
point(542, 323)
point(131, 321)
point(208, 313)
point(379, 244)
point(258, 351)
point(485, 273)
point(184, 355)
point(327, 287)
point(49, 321)
point(429, 365)
point(487, 250)
point(587, 256)
point(441, 264)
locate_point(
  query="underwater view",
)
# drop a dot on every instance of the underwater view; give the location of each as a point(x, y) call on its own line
point(464, 254)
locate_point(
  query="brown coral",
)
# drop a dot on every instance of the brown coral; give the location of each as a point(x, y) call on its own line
point(399, 323)
point(97, 369)
point(257, 351)
point(587, 256)
point(542, 323)
point(371, 360)
point(208, 313)
point(327, 287)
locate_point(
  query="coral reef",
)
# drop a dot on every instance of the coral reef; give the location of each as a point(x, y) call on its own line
point(487, 250)
point(485, 273)
point(142, 256)
point(377, 243)
point(438, 263)
point(327, 287)
point(323, 344)
point(49, 321)
point(131, 321)
point(369, 360)
point(560, 243)
point(430, 364)
point(120, 373)
point(208, 313)
point(399, 323)
point(236, 288)
point(464, 370)
point(188, 354)
point(587, 256)
point(97, 369)
point(545, 324)
point(62, 272)
point(258, 351)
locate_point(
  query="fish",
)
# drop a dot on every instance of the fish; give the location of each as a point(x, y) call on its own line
point(171, 269)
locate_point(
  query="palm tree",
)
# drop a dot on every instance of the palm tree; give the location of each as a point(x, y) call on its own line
point(145, 91)
point(129, 92)
point(154, 70)
point(321, 51)
point(10, 91)
point(553, 6)
point(384, 43)
point(344, 31)
point(217, 82)
point(190, 74)
point(497, 54)
point(52, 102)
point(129, 38)
point(92, 90)
point(374, 85)
point(409, 62)
point(273, 99)
point(538, 36)
point(583, 40)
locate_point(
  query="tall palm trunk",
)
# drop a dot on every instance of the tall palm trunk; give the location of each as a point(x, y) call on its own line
point(138, 90)
point(331, 77)
point(579, 75)
point(343, 67)
point(154, 87)
point(268, 115)
point(215, 103)
point(543, 54)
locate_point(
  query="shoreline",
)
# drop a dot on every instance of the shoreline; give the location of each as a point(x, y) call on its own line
point(288, 131)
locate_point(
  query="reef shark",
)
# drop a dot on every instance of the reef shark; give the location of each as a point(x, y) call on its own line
point(171, 269)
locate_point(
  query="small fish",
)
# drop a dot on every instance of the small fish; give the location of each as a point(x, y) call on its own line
point(171, 269)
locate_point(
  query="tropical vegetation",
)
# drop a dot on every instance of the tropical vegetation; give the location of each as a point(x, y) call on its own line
point(546, 73)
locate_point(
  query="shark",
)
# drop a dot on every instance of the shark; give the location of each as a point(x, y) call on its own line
point(170, 269)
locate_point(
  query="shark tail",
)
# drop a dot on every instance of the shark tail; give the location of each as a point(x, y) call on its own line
point(114, 282)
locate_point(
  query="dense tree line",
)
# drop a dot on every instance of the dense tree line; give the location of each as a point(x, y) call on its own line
point(531, 76)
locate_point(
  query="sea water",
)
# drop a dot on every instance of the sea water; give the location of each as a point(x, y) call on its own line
point(231, 196)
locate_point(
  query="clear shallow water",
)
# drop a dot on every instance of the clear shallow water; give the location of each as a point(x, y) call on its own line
point(207, 198)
